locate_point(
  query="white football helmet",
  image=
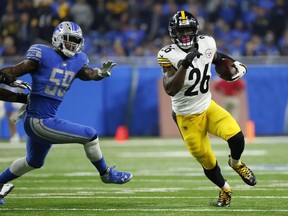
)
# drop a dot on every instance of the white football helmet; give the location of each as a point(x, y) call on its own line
point(67, 37)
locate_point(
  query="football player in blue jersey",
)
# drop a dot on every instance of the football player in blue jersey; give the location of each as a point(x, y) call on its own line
point(53, 70)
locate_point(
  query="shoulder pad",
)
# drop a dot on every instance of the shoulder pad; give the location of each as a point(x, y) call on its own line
point(163, 58)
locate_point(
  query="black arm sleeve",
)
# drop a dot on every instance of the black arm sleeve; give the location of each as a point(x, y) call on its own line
point(221, 56)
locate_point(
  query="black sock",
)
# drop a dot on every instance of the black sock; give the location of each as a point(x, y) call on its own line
point(236, 145)
point(215, 176)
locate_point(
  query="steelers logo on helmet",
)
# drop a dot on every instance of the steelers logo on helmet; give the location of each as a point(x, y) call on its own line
point(183, 29)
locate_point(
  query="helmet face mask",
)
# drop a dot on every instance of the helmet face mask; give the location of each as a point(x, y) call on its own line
point(71, 42)
point(67, 38)
point(183, 29)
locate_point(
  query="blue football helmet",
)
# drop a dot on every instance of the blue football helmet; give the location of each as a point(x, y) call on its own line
point(183, 29)
point(67, 37)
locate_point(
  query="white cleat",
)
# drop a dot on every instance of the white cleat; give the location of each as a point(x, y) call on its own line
point(5, 189)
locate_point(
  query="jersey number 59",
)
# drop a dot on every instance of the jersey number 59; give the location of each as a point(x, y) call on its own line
point(58, 87)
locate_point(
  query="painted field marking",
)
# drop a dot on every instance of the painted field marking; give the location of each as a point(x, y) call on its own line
point(147, 210)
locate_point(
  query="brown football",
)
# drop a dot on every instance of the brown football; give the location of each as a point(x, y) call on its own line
point(225, 70)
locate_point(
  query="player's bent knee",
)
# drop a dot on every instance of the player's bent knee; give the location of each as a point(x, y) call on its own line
point(207, 161)
point(35, 164)
point(200, 156)
point(238, 138)
point(20, 167)
point(91, 132)
point(209, 164)
point(92, 150)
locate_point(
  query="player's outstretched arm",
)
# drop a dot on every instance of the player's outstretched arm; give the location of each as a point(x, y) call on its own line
point(86, 73)
point(10, 96)
point(6, 79)
point(105, 69)
point(8, 75)
point(22, 68)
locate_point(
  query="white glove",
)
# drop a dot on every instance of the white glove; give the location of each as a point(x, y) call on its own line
point(105, 69)
point(241, 70)
point(21, 84)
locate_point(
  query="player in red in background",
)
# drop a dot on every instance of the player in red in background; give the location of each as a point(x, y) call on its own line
point(230, 88)
point(230, 91)
point(186, 66)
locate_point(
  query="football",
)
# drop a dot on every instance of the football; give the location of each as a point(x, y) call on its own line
point(225, 69)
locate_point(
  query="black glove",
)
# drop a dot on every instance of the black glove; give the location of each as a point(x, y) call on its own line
point(189, 58)
point(6, 79)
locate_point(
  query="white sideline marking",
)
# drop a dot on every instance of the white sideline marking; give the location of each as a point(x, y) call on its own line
point(212, 209)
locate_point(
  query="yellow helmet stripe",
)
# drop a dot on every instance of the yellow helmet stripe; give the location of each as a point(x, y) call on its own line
point(183, 17)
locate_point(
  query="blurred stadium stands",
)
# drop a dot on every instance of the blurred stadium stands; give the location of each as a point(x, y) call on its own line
point(132, 32)
point(139, 27)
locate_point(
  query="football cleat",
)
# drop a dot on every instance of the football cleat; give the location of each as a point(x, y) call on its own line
point(244, 172)
point(114, 177)
point(224, 199)
point(4, 190)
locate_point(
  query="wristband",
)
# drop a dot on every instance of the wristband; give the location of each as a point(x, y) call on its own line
point(186, 63)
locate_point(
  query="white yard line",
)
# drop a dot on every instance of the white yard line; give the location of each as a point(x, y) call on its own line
point(49, 196)
point(192, 209)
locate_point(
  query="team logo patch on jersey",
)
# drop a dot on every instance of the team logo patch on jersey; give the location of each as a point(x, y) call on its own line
point(208, 53)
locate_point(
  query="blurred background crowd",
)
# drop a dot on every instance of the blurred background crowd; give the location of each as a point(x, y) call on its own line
point(139, 27)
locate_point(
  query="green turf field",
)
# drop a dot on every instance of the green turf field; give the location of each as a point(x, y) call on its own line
point(167, 181)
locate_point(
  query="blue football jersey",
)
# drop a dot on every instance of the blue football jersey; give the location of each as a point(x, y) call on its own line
point(51, 80)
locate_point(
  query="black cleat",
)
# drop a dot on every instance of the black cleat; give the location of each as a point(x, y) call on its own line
point(246, 174)
point(224, 199)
